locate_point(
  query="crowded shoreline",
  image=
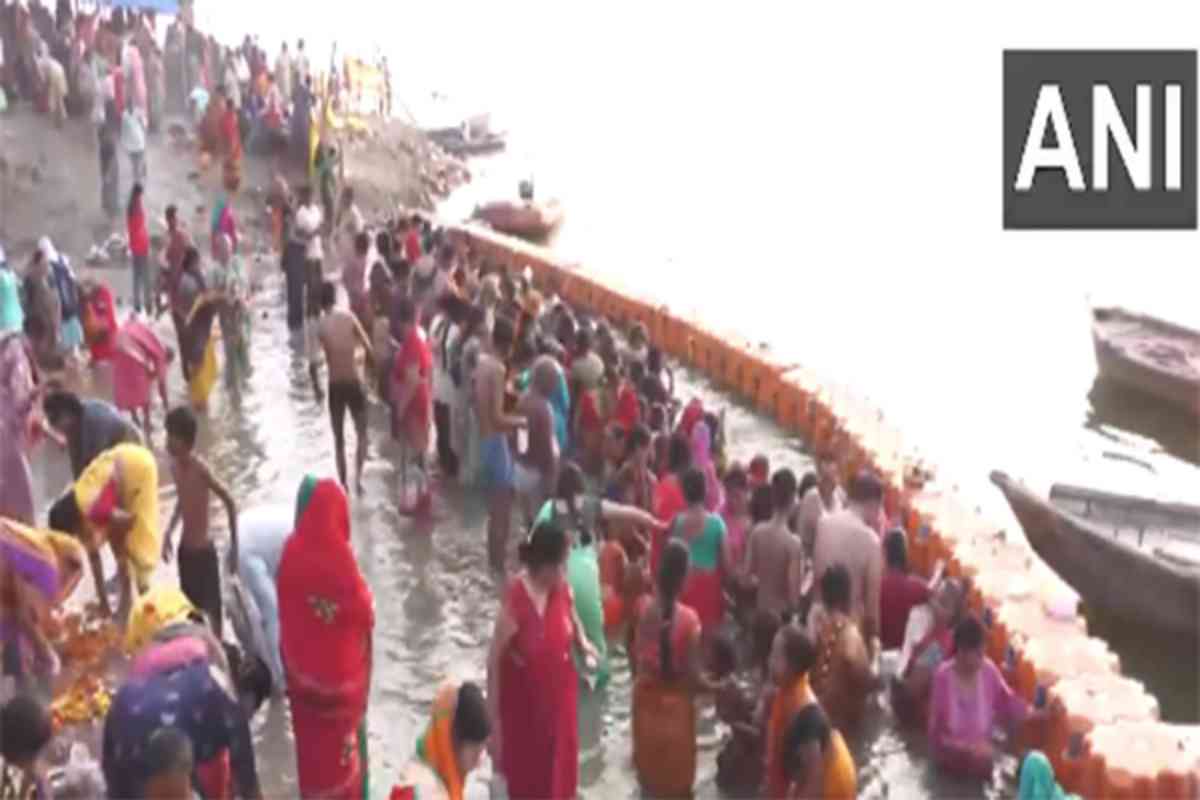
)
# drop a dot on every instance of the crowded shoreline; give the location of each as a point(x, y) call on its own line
point(450, 259)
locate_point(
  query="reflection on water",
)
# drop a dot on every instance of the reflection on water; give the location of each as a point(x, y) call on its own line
point(435, 599)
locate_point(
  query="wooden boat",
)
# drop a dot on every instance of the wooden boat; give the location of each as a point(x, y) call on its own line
point(1136, 558)
point(456, 145)
point(1152, 356)
point(532, 220)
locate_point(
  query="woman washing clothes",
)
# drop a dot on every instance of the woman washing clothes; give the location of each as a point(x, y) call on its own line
point(533, 685)
point(327, 618)
point(968, 699)
point(666, 659)
point(451, 747)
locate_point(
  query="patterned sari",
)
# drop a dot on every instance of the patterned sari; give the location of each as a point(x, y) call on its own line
point(326, 616)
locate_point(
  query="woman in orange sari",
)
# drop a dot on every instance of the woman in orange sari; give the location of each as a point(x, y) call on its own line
point(667, 664)
point(816, 758)
point(792, 657)
point(451, 747)
point(326, 616)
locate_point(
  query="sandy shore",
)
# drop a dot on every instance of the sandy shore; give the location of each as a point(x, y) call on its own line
point(50, 186)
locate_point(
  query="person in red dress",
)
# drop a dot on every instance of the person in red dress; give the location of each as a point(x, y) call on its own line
point(532, 682)
point(412, 390)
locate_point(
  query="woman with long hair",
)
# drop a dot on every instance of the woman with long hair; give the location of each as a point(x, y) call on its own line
point(533, 685)
point(666, 660)
point(326, 616)
point(705, 535)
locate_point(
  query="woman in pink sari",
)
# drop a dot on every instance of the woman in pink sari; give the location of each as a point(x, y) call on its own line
point(20, 394)
point(139, 358)
point(969, 698)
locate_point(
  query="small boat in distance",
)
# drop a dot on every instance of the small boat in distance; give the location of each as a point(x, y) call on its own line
point(1148, 355)
point(1138, 559)
point(472, 137)
point(526, 217)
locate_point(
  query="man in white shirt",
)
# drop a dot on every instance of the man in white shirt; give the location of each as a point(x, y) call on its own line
point(301, 62)
point(307, 228)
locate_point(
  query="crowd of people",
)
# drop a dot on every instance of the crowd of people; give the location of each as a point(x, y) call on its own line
point(640, 528)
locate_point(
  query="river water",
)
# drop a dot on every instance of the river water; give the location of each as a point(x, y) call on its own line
point(802, 174)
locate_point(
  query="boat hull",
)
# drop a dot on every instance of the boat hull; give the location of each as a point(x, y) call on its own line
point(1120, 339)
point(530, 220)
point(1118, 577)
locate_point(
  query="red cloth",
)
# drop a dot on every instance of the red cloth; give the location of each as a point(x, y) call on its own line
point(216, 777)
point(692, 413)
point(628, 412)
point(100, 323)
point(412, 247)
point(898, 595)
point(137, 346)
point(539, 691)
point(326, 615)
point(139, 235)
point(415, 351)
point(668, 501)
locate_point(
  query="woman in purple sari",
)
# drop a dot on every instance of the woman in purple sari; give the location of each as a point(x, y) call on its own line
point(19, 398)
point(969, 699)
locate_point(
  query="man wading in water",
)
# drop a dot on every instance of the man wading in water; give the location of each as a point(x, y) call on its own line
point(497, 470)
point(340, 336)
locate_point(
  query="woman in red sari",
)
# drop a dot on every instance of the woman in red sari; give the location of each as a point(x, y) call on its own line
point(326, 615)
point(532, 683)
point(668, 494)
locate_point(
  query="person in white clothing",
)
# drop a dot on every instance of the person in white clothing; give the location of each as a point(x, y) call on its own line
point(264, 530)
point(309, 220)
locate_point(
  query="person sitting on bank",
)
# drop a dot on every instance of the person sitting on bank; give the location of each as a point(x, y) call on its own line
point(451, 747)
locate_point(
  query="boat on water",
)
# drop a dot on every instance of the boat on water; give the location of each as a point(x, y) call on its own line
point(1136, 558)
point(1149, 355)
point(529, 219)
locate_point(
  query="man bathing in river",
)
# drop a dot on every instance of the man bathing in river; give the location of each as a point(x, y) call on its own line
point(774, 560)
point(497, 469)
point(340, 336)
point(199, 568)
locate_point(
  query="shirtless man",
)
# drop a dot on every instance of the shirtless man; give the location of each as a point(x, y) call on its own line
point(774, 562)
point(846, 537)
point(825, 498)
point(537, 468)
point(496, 462)
point(340, 335)
point(199, 568)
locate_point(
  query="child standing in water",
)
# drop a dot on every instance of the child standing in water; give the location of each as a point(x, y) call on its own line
point(199, 569)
